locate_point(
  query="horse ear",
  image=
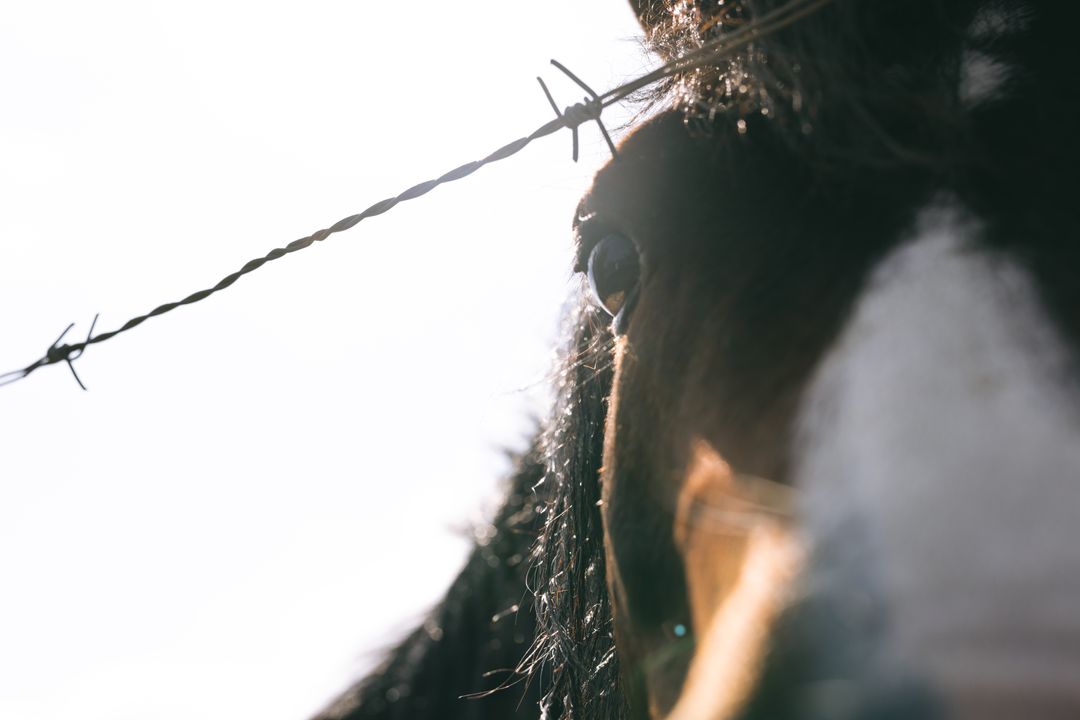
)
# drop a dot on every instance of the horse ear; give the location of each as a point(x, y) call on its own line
point(649, 12)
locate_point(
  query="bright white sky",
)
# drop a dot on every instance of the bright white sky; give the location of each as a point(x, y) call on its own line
point(261, 491)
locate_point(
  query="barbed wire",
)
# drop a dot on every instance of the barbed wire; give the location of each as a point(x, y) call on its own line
point(572, 117)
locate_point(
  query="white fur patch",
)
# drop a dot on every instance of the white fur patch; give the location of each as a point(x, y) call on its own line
point(982, 78)
point(946, 423)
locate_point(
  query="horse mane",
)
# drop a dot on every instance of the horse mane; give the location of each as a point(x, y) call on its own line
point(574, 650)
point(475, 656)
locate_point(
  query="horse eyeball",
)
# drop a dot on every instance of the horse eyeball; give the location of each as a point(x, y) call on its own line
point(614, 270)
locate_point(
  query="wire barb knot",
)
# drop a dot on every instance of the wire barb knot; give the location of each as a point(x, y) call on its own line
point(55, 354)
point(69, 353)
point(583, 112)
point(575, 115)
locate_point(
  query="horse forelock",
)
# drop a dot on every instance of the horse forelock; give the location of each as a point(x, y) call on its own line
point(851, 83)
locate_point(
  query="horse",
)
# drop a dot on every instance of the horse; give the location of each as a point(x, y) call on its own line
point(816, 448)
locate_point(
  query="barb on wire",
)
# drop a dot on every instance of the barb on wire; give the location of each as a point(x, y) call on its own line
point(591, 109)
point(571, 118)
point(56, 353)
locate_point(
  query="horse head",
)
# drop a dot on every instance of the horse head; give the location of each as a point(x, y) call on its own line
point(841, 462)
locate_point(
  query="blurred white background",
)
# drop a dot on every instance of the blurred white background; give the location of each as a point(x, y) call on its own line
point(261, 492)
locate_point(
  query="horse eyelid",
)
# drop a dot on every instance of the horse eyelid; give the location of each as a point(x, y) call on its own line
point(585, 244)
point(585, 238)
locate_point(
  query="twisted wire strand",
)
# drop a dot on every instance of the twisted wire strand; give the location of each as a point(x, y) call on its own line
point(571, 118)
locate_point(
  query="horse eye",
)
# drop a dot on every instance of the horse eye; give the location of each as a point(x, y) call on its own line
point(614, 270)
